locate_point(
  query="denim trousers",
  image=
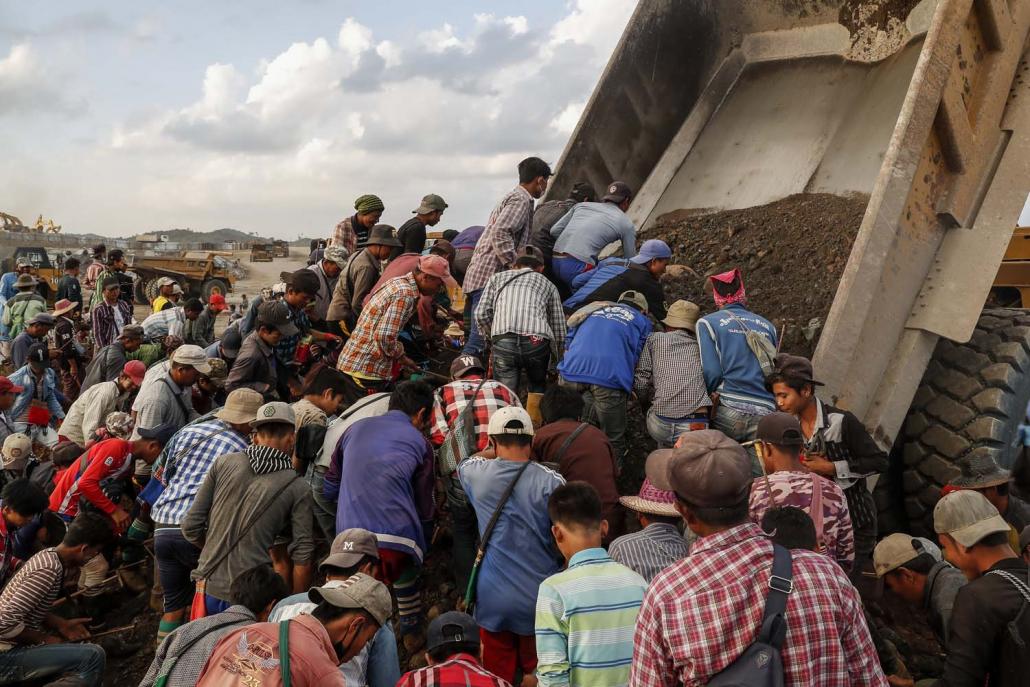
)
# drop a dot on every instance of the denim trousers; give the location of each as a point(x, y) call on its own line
point(741, 427)
point(605, 408)
point(176, 559)
point(474, 342)
point(515, 354)
point(567, 268)
point(325, 511)
point(51, 661)
point(666, 430)
point(464, 532)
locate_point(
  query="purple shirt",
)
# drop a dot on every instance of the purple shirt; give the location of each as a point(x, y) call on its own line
point(468, 238)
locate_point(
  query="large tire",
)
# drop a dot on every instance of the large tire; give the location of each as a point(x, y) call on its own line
point(972, 400)
point(139, 292)
point(213, 286)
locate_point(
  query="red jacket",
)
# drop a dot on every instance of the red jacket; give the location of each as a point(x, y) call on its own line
point(110, 458)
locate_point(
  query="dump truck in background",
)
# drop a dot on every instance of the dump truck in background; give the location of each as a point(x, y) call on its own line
point(924, 108)
point(200, 274)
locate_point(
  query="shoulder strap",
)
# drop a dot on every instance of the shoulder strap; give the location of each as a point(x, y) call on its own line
point(463, 418)
point(178, 401)
point(1020, 586)
point(816, 506)
point(568, 442)
point(507, 283)
point(356, 407)
point(485, 539)
point(781, 584)
point(168, 665)
point(284, 651)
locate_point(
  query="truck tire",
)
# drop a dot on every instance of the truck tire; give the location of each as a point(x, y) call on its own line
point(139, 292)
point(151, 290)
point(972, 400)
point(213, 286)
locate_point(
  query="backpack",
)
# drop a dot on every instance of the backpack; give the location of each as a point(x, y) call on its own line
point(761, 664)
point(14, 316)
point(760, 346)
point(461, 440)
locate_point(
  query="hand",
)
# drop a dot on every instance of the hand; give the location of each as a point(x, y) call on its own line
point(408, 363)
point(53, 639)
point(121, 518)
point(820, 466)
point(74, 629)
point(898, 681)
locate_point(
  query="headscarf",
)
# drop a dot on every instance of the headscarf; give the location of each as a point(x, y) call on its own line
point(368, 203)
point(728, 288)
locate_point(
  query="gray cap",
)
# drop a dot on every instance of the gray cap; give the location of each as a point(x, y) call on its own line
point(276, 411)
point(452, 627)
point(349, 547)
point(431, 203)
point(131, 331)
point(708, 469)
point(192, 356)
point(42, 318)
point(634, 298)
point(359, 591)
point(967, 517)
point(279, 315)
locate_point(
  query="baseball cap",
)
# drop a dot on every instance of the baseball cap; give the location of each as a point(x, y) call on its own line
point(165, 281)
point(618, 191)
point(176, 289)
point(652, 249)
point(131, 331)
point(796, 367)
point(434, 266)
point(430, 203)
point(335, 254)
point(359, 591)
point(582, 190)
point(464, 363)
point(135, 370)
point(191, 355)
point(502, 417)
point(160, 433)
point(634, 298)
point(452, 627)
point(781, 429)
point(967, 516)
point(279, 315)
point(218, 373)
point(276, 411)
point(349, 547)
point(17, 449)
point(37, 353)
point(383, 235)
point(9, 387)
point(216, 302)
point(530, 252)
point(231, 342)
point(42, 318)
point(895, 550)
point(708, 470)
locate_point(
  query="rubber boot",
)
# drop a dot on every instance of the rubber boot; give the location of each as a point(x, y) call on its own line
point(533, 408)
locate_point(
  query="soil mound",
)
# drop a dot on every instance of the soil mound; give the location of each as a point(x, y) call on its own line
point(792, 253)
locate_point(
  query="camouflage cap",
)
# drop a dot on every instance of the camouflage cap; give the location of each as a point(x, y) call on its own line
point(218, 372)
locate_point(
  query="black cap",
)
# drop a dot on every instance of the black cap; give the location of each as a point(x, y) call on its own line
point(795, 367)
point(161, 433)
point(617, 192)
point(37, 353)
point(279, 315)
point(781, 429)
point(583, 190)
point(453, 627)
point(302, 280)
point(232, 340)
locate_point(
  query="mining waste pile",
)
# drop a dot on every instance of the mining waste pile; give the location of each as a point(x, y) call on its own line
point(792, 253)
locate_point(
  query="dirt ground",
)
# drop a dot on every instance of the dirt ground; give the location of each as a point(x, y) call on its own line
point(792, 254)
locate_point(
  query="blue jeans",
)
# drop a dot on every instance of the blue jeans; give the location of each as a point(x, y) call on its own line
point(740, 427)
point(474, 343)
point(176, 559)
point(667, 430)
point(213, 605)
point(324, 510)
point(515, 354)
point(568, 268)
point(51, 661)
point(605, 408)
point(464, 532)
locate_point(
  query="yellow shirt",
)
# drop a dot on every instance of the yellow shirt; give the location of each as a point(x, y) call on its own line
point(160, 302)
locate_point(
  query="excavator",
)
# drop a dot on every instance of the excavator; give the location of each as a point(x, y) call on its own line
point(13, 224)
point(923, 107)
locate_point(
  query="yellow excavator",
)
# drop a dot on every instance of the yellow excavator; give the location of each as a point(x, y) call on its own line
point(13, 224)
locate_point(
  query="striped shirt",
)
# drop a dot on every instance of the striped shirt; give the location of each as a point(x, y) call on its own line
point(585, 618)
point(525, 302)
point(168, 322)
point(507, 232)
point(27, 598)
point(651, 550)
point(191, 452)
point(670, 366)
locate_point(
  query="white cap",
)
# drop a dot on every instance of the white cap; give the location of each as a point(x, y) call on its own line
point(165, 281)
point(510, 414)
point(193, 356)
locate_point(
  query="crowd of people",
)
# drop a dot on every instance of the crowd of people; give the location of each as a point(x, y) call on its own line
point(289, 474)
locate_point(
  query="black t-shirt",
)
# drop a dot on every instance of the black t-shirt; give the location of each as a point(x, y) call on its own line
point(412, 235)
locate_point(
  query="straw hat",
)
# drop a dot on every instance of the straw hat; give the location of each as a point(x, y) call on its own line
point(651, 500)
point(683, 315)
point(64, 305)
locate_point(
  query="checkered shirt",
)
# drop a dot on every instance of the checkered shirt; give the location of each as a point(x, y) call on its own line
point(507, 232)
point(344, 235)
point(700, 614)
point(452, 398)
point(524, 302)
point(190, 454)
point(286, 349)
point(460, 670)
point(373, 346)
point(670, 366)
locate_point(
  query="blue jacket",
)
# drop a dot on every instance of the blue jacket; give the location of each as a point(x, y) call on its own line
point(381, 474)
point(24, 377)
point(604, 348)
point(610, 278)
point(7, 289)
point(730, 368)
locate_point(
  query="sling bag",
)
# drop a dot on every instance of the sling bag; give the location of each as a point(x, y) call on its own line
point(470, 592)
point(168, 665)
point(763, 349)
point(761, 664)
point(178, 400)
point(459, 445)
point(284, 652)
point(560, 453)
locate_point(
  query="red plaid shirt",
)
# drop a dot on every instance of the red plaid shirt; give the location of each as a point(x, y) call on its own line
point(700, 614)
point(344, 235)
point(373, 346)
point(460, 670)
point(452, 398)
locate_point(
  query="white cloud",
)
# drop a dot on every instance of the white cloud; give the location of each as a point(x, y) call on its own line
point(28, 85)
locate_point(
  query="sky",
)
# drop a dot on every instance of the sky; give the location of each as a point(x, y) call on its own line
point(119, 118)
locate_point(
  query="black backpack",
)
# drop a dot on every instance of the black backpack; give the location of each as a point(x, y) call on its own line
point(761, 664)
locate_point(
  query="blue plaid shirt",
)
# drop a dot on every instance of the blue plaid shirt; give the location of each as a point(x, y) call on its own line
point(287, 346)
point(191, 453)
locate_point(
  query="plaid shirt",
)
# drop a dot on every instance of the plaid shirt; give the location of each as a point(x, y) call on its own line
point(105, 325)
point(507, 232)
point(700, 614)
point(286, 349)
point(190, 454)
point(373, 346)
point(524, 302)
point(460, 670)
point(452, 398)
point(670, 366)
point(344, 235)
point(168, 322)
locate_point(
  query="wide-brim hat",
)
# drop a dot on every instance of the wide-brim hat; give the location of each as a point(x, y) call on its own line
point(383, 235)
point(980, 472)
point(650, 499)
point(683, 315)
point(24, 281)
point(64, 305)
point(241, 407)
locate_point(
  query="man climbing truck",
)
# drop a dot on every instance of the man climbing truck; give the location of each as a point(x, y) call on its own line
point(925, 111)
